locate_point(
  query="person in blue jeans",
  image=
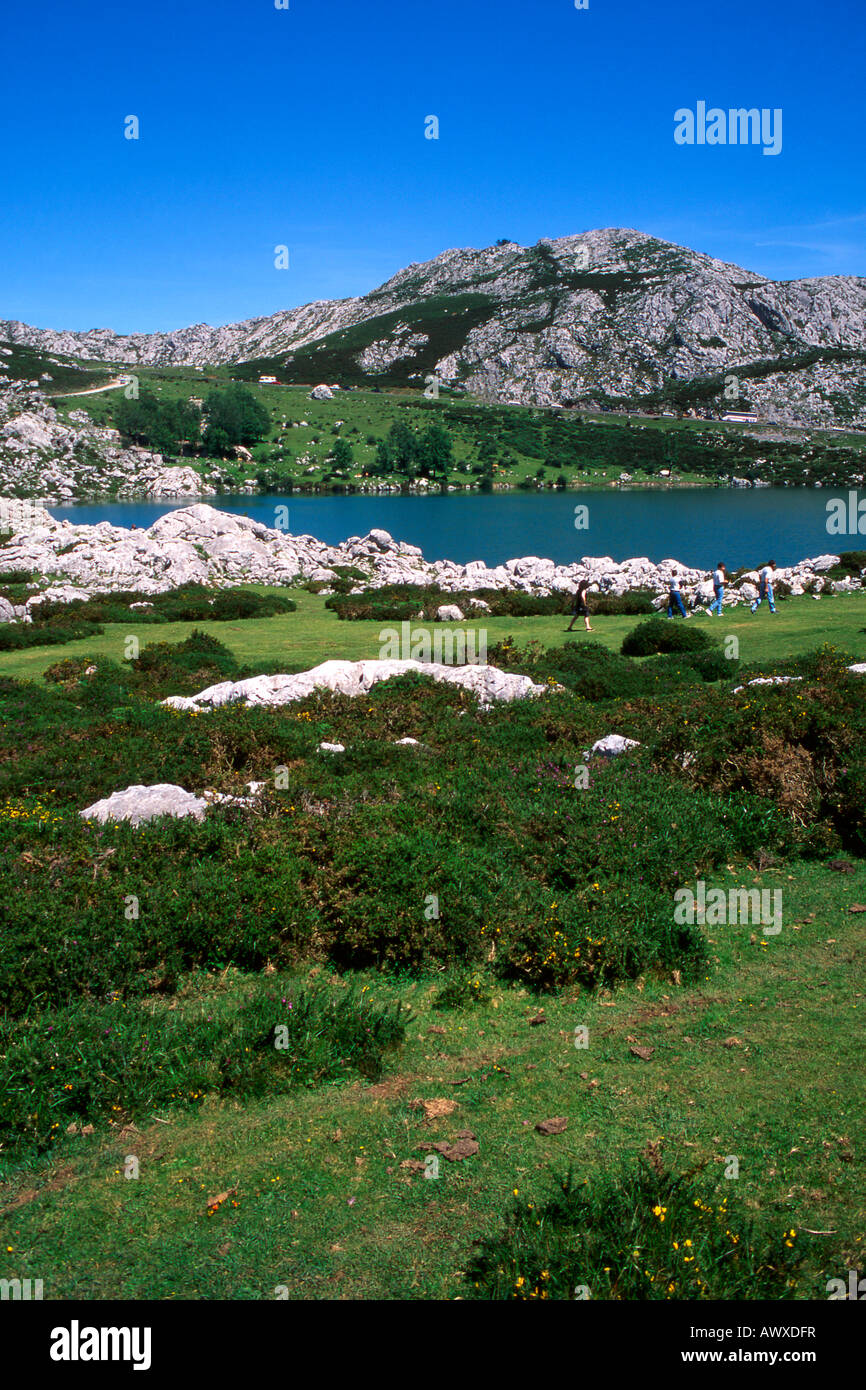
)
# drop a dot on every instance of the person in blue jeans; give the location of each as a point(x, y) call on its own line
point(675, 598)
point(765, 587)
point(719, 577)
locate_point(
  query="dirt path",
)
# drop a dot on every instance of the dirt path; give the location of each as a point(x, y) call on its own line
point(94, 390)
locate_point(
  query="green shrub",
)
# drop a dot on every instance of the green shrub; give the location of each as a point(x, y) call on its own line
point(189, 603)
point(706, 665)
point(342, 863)
point(636, 603)
point(398, 602)
point(599, 935)
point(792, 745)
point(96, 1061)
point(17, 636)
point(849, 804)
point(162, 668)
point(641, 1234)
point(463, 990)
point(661, 635)
point(593, 672)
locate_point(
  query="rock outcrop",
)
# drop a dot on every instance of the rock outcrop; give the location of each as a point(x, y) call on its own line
point(138, 804)
point(62, 461)
point(354, 678)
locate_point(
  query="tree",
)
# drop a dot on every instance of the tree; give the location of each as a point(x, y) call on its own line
point(403, 447)
point(342, 454)
point(383, 462)
point(434, 451)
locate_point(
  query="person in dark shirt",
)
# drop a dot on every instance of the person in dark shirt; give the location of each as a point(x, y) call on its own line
point(580, 607)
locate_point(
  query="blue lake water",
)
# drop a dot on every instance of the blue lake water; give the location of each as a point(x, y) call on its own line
point(697, 526)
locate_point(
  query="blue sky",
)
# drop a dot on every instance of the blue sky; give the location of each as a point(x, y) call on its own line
point(305, 127)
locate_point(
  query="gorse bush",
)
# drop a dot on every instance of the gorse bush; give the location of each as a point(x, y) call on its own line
point(341, 862)
point(598, 935)
point(94, 1061)
point(189, 603)
point(18, 636)
point(162, 668)
point(397, 602)
point(661, 635)
point(591, 670)
point(55, 623)
point(798, 745)
point(638, 601)
point(642, 1234)
point(851, 563)
point(19, 576)
point(462, 990)
point(848, 800)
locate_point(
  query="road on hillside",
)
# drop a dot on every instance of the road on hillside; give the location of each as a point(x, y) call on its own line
point(94, 390)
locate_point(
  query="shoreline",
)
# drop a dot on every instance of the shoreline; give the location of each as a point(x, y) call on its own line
point(648, 484)
point(199, 544)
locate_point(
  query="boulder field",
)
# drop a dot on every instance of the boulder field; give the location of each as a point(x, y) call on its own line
point(199, 544)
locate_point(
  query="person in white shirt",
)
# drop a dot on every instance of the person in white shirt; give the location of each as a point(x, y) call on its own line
point(765, 587)
point(675, 597)
point(719, 577)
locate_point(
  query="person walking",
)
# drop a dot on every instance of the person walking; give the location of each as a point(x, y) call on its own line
point(765, 587)
point(675, 598)
point(719, 577)
point(580, 608)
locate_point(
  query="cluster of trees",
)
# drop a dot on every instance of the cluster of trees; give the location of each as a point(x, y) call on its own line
point(165, 426)
point(232, 416)
point(423, 454)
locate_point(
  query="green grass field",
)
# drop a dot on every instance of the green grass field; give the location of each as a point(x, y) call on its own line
point(324, 1208)
point(315, 634)
point(757, 1058)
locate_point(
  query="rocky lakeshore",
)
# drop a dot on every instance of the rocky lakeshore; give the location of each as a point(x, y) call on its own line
point(199, 544)
point(63, 460)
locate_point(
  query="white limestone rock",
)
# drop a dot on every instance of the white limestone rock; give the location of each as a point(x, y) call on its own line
point(201, 544)
point(140, 803)
point(767, 680)
point(354, 678)
point(611, 746)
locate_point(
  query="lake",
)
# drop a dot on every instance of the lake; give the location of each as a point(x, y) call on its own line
point(697, 526)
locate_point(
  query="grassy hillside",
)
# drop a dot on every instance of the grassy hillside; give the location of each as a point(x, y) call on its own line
point(145, 973)
point(493, 446)
point(62, 373)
